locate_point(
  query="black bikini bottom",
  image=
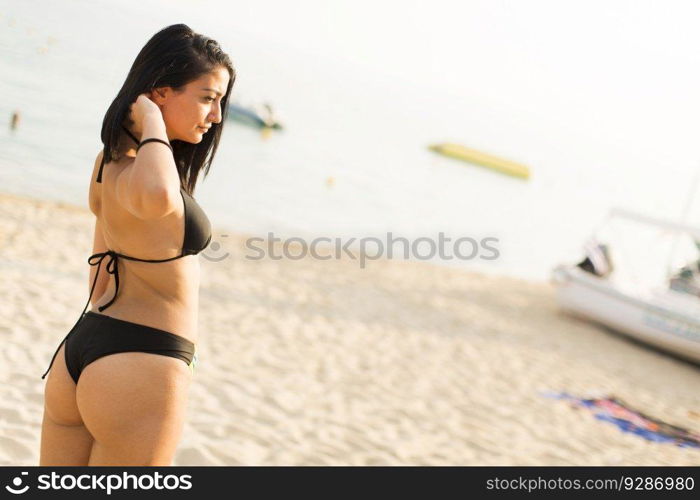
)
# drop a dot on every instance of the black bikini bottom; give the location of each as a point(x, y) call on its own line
point(97, 335)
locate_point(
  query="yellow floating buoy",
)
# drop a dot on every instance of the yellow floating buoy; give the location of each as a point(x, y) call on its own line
point(460, 152)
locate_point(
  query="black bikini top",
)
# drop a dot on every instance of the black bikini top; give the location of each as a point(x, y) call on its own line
point(197, 238)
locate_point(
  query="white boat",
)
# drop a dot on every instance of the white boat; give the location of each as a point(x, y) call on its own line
point(662, 316)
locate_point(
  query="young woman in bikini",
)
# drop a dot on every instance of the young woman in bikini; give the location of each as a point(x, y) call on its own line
point(118, 389)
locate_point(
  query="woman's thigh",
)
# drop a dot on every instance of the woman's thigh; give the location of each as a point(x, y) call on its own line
point(64, 445)
point(134, 405)
point(64, 439)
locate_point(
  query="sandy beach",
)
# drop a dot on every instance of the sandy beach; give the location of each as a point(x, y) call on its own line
point(315, 362)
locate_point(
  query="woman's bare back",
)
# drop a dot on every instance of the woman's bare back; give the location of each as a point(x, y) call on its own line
point(162, 295)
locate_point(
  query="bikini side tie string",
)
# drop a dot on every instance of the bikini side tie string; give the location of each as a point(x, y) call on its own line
point(112, 268)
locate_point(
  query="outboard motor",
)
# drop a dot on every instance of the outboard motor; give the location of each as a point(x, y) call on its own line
point(597, 260)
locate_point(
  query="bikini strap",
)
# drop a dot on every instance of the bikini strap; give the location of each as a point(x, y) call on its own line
point(133, 137)
point(93, 260)
point(102, 164)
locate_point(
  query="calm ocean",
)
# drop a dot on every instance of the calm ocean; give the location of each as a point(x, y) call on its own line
point(602, 105)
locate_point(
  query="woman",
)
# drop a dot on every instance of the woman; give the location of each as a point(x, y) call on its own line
point(117, 392)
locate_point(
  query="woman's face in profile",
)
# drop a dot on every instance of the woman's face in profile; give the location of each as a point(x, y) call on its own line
point(189, 113)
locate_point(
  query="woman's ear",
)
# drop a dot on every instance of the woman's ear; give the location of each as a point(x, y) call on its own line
point(158, 95)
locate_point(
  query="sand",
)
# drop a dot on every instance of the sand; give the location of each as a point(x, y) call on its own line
point(315, 362)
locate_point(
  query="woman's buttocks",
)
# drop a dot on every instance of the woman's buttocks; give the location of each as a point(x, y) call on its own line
point(162, 295)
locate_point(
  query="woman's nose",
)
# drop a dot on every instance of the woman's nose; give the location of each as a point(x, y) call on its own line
point(215, 115)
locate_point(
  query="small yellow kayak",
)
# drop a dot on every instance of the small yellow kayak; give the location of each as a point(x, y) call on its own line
point(485, 160)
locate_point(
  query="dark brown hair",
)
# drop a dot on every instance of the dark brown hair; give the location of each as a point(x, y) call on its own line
point(173, 57)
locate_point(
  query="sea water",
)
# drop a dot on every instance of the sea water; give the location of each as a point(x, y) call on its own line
point(600, 101)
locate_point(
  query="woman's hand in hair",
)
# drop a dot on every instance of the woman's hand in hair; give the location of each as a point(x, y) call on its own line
point(141, 108)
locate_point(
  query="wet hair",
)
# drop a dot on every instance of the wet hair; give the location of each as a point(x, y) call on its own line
point(173, 57)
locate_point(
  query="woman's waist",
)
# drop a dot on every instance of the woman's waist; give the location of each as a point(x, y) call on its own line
point(176, 313)
point(172, 281)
